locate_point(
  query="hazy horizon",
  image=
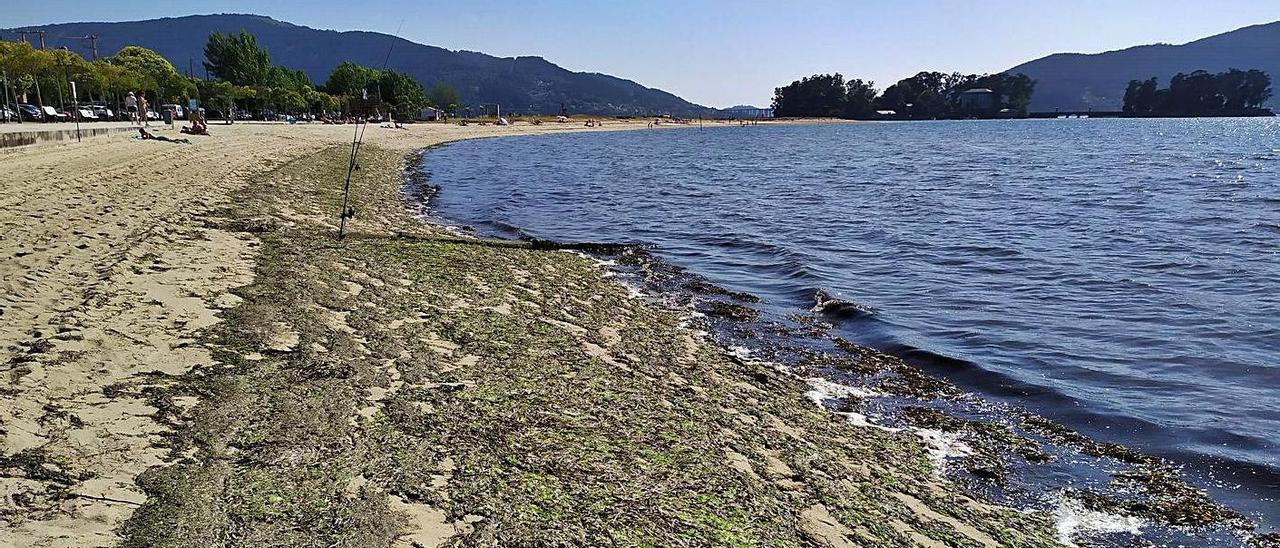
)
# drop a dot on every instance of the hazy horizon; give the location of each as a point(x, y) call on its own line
point(728, 53)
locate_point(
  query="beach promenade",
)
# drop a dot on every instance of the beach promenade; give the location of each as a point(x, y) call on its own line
point(191, 359)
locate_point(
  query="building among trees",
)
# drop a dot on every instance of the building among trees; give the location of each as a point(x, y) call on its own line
point(978, 102)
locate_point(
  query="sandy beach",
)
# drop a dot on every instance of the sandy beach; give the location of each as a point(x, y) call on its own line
point(191, 359)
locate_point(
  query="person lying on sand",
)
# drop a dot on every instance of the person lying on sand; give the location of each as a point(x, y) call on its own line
point(198, 124)
point(148, 136)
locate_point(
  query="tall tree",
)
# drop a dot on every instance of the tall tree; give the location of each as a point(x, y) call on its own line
point(154, 72)
point(1140, 97)
point(812, 96)
point(294, 80)
point(860, 98)
point(1195, 93)
point(350, 80)
point(1257, 88)
point(443, 96)
point(924, 95)
point(899, 96)
point(1231, 85)
point(402, 92)
point(237, 58)
point(25, 65)
point(1015, 90)
point(223, 95)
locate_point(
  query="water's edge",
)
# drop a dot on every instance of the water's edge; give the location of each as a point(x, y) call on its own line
point(988, 449)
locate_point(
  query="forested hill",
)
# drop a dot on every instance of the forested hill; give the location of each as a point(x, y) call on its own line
point(521, 84)
point(1076, 81)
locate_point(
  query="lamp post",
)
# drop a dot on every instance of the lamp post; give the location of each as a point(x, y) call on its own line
point(75, 107)
point(75, 103)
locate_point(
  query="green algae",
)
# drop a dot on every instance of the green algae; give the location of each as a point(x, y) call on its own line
point(518, 391)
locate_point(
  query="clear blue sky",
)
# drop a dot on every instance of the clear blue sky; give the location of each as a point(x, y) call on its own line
point(721, 53)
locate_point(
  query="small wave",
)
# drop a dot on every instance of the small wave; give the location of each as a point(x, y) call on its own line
point(834, 308)
point(507, 229)
point(984, 250)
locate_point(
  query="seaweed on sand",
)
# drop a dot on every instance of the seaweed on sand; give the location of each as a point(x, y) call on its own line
point(409, 384)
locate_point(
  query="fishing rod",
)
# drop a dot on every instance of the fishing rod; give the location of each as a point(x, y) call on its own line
point(357, 139)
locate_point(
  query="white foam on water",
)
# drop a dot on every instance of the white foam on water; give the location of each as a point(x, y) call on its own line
point(1075, 521)
point(457, 231)
point(862, 421)
point(822, 390)
point(741, 352)
point(942, 446)
point(747, 356)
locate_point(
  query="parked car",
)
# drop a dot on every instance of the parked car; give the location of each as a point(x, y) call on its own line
point(175, 109)
point(52, 115)
point(87, 114)
point(120, 115)
point(152, 115)
point(102, 112)
point(30, 113)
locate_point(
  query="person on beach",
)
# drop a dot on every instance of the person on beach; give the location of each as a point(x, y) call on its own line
point(143, 109)
point(131, 105)
point(198, 124)
point(145, 135)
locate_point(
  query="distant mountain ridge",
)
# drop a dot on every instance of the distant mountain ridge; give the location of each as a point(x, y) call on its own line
point(519, 84)
point(1079, 81)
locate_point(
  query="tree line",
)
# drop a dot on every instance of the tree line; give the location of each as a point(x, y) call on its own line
point(43, 76)
point(926, 95)
point(1234, 92)
point(241, 77)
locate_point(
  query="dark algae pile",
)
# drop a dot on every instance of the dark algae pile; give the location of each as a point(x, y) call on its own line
point(412, 387)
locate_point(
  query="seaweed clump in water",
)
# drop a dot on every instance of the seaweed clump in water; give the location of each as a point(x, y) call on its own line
point(731, 311)
point(701, 286)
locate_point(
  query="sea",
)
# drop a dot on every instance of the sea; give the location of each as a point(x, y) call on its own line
point(1117, 276)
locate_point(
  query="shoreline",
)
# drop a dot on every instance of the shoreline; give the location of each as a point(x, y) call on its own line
point(408, 386)
point(1167, 503)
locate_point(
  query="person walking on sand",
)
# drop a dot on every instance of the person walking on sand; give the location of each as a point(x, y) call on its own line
point(131, 105)
point(143, 109)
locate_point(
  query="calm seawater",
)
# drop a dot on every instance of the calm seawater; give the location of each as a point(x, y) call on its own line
point(1120, 276)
